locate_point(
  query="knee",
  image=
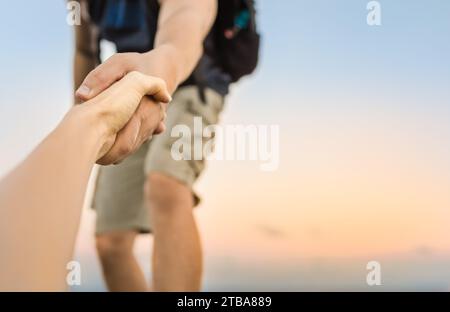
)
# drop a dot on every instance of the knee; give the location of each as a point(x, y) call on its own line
point(166, 195)
point(114, 245)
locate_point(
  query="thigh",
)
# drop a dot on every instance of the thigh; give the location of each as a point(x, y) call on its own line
point(185, 106)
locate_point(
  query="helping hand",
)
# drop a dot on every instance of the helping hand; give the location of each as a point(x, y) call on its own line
point(120, 109)
point(146, 120)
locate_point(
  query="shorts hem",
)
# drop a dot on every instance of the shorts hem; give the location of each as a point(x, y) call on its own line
point(176, 175)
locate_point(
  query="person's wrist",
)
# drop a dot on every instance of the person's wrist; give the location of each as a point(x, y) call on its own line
point(160, 62)
point(92, 120)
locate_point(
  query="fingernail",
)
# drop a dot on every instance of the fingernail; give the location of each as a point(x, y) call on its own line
point(170, 98)
point(83, 90)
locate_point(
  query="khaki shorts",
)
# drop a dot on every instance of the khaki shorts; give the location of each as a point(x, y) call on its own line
point(119, 194)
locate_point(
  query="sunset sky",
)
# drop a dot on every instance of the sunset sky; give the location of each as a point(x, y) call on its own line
point(364, 117)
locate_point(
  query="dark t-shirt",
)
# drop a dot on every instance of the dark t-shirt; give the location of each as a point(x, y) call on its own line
point(132, 25)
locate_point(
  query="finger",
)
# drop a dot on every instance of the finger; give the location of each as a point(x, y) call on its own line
point(124, 144)
point(149, 85)
point(107, 146)
point(161, 126)
point(120, 101)
point(101, 78)
point(151, 115)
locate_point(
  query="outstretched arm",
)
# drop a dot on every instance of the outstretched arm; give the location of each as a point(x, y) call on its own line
point(85, 53)
point(182, 27)
point(41, 199)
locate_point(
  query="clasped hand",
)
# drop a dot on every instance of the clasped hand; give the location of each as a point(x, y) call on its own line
point(117, 113)
point(147, 118)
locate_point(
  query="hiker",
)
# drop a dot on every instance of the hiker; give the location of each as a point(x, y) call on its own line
point(199, 48)
point(41, 200)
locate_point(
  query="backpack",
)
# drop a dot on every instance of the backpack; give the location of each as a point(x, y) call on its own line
point(238, 54)
point(234, 34)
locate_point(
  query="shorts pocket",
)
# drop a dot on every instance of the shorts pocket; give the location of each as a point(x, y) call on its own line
point(209, 110)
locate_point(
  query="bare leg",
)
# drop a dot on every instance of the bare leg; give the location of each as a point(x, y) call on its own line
point(120, 268)
point(177, 256)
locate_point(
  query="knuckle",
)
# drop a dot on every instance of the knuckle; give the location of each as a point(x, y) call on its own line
point(134, 76)
point(160, 82)
point(125, 149)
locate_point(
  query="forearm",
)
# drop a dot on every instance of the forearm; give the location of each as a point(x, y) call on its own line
point(182, 28)
point(41, 200)
point(85, 54)
point(41, 203)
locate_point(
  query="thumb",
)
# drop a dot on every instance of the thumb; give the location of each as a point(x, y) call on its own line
point(119, 102)
point(148, 85)
point(100, 79)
